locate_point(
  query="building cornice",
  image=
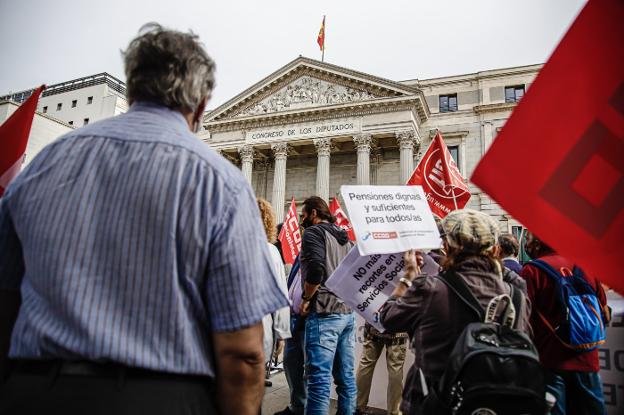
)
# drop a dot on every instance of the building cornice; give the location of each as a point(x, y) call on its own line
point(489, 74)
point(359, 108)
point(503, 106)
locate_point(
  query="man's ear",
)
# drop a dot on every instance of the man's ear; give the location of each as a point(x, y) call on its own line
point(199, 112)
point(313, 214)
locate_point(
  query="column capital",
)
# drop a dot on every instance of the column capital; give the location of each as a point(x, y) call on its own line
point(323, 146)
point(246, 152)
point(407, 139)
point(363, 142)
point(280, 149)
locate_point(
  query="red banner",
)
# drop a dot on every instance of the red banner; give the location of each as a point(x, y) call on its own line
point(568, 133)
point(14, 134)
point(290, 236)
point(341, 218)
point(440, 178)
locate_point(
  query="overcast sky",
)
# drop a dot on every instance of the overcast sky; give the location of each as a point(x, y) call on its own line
point(47, 41)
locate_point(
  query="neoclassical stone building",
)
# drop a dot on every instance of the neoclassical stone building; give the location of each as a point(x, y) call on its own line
point(310, 127)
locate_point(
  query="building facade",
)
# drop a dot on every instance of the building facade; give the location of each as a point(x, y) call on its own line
point(311, 127)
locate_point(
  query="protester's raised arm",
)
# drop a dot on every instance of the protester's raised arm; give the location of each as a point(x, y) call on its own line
point(240, 370)
point(403, 309)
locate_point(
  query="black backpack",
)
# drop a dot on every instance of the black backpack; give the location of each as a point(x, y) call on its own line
point(493, 369)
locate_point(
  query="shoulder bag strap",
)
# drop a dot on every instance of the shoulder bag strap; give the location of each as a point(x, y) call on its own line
point(545, 267)
point(455, 283)
point(517, 298)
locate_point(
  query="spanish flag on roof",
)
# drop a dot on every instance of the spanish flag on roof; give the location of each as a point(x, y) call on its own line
point(321, 36)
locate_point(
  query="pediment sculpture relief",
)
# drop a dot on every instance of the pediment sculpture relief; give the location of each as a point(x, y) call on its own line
point(306, 92)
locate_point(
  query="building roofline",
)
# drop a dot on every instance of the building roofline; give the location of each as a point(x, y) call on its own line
point(100, 78)
point(86, 81)
point(303, 61)
point(480, 74)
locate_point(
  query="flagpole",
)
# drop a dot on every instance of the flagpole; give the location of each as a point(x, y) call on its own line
point(324, 36)
point(454, 198)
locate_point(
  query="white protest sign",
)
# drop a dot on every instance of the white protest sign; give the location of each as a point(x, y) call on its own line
point(389, 219)
point(364, 283)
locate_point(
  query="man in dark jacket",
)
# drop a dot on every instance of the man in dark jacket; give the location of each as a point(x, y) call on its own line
point(330, 324)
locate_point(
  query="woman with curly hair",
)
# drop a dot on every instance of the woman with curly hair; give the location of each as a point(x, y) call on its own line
point(276, 325)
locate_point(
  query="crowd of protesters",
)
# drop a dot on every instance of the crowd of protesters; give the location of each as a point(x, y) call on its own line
point(136, 276)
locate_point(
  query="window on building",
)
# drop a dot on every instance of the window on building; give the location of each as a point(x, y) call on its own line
point(74, 103)
point(514, 93)
point(454, 150)
point(45, 109)
point(89, 100)
point(59, 106)
point(70, 122)
point(448, 103)
point(85, 121)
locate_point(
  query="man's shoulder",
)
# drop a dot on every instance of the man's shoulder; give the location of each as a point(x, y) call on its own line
point(139, 129)
point(313, 232)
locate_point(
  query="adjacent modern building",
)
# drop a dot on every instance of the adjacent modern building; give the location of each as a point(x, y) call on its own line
point(81, 101)
point(310, 127)
point(68, 105)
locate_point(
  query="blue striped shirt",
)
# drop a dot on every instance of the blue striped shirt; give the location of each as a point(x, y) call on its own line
point(131, 241)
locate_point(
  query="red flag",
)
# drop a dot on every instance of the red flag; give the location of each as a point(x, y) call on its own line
point(569, 186)
point(321, 36)
point(14, 134)
point(341, 218)
point(290, 236)
point(440, 178)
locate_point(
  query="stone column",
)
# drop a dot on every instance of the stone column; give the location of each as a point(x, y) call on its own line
point(323, 149)
point(280, 151)
point(247, 154)
point(363, 144)
point(405, 140)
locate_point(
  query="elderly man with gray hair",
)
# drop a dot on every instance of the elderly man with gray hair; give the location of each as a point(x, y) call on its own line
point(134, 272)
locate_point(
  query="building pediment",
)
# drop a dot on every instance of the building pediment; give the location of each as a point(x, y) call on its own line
point(306, 92)
point(304, 84)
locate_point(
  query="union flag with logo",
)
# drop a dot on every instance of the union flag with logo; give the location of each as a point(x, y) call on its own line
point(440, 179)
point(569, 187)
point(290, 235)
point(341, 218)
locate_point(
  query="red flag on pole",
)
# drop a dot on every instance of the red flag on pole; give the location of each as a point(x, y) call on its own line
point(290, 236)
point(341, 218)
point(569, 186)
point(440, 178)
point(14, 134)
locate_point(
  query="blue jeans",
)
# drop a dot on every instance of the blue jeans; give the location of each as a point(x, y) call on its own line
point(330, 350)
point(576, 392)
point(293, 365)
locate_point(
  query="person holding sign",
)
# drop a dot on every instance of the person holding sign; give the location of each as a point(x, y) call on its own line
point(330, 323)
point(429, 311)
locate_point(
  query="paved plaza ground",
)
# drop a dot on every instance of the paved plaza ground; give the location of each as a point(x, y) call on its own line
point(276, 397)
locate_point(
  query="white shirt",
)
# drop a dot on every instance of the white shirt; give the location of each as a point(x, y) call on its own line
point(279, 321)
